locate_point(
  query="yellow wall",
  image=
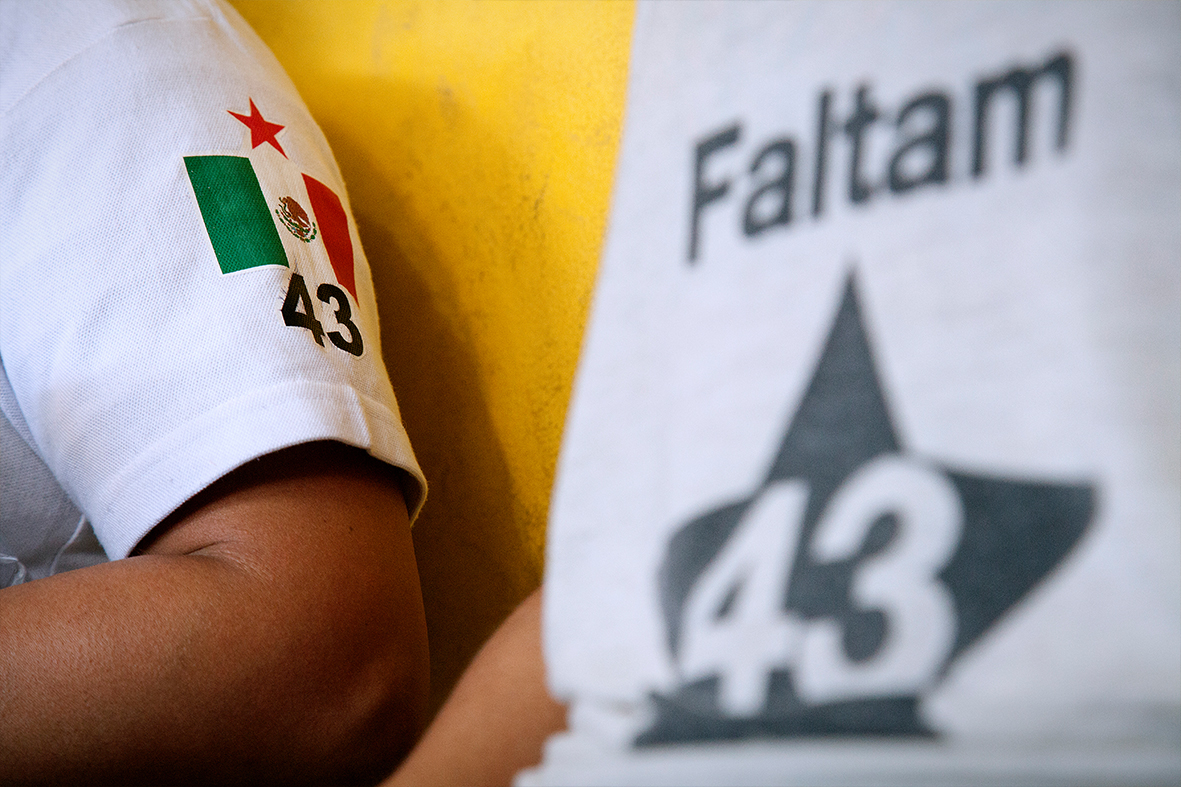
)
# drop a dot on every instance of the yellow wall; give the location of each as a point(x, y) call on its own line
point(477, 141)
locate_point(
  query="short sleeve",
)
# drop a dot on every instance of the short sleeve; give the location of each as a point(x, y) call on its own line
point(183, 285)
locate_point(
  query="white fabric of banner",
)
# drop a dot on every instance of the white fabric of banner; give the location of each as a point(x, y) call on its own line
point(872, 473)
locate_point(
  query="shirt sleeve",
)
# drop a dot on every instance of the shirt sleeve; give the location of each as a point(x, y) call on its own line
point(184, 288)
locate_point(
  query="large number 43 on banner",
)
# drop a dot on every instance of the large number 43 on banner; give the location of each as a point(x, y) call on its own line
point(853, 575)
point(736, 625)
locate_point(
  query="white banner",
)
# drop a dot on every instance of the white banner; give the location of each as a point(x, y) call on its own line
point(872, 468)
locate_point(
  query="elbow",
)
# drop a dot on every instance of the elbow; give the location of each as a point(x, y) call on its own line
point(369, 704)
point(387, 713)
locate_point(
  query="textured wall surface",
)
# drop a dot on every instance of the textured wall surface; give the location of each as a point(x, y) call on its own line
point(477, 142)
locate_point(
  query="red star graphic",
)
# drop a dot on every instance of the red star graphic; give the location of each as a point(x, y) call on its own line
point(261, 130)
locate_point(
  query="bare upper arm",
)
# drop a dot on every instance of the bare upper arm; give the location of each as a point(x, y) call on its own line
point(271, 631)
point(324, 528)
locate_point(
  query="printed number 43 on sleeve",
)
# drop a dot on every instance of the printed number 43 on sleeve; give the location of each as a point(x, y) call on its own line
point(299, 312)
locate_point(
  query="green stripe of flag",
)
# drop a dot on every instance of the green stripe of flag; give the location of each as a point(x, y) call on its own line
point(235, 211)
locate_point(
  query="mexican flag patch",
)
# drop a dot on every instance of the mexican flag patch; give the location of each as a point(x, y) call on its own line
point(243, 226)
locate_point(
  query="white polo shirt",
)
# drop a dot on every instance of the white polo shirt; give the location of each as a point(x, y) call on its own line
point(183, 286)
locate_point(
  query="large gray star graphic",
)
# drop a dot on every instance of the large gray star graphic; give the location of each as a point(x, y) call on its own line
point(1014, 533)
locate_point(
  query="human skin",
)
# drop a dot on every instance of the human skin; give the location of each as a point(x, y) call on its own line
point(269, 632)
point(498, 717)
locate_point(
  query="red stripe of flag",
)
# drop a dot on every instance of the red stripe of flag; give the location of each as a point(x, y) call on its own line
point(334, 229)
